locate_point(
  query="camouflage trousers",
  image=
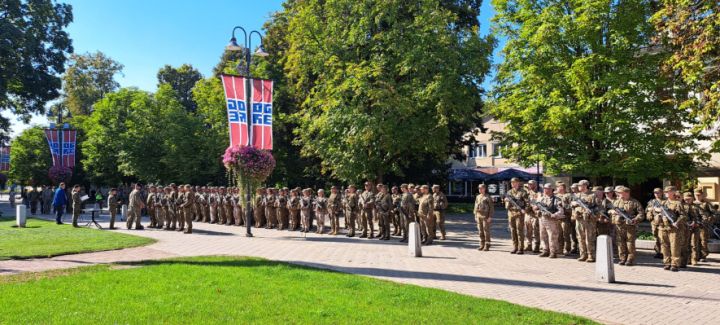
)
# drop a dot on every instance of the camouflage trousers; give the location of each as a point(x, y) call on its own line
point(587, 236)
point(366, 221)
point(625, 239)
point(532, 232)
point(549, 234)
point(516, 225)
point(483, 226)
point(294, 219)
point(670, 245)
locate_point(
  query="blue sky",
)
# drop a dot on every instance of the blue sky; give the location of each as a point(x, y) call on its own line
point(145, 35)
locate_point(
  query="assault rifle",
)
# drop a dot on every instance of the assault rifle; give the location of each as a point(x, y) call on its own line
point(512, 200)
point(622, 213)
point(665, 213)
point(582, 204)
point(540, 206)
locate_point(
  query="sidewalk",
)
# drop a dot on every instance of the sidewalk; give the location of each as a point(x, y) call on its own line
point(644, 294)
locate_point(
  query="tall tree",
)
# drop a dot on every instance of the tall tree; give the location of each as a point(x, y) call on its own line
point(382, 83)
point(182, 80)
point(32, 54)
point(582, 94)
point(89, 77)
point(31, 159)
point(690, 31)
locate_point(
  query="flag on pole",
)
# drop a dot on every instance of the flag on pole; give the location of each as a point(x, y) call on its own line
point(262, 114)
point(236, 111)
point(4, 158)
point(64, 156)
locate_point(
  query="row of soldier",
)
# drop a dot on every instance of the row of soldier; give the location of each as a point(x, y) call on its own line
point(569, 222)
point(175, 208)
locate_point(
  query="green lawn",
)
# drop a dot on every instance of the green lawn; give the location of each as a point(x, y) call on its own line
point(43, 238)
point(231, 290)
point(460, 207)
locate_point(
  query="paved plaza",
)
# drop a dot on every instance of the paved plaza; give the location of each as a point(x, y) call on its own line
point(644, 294)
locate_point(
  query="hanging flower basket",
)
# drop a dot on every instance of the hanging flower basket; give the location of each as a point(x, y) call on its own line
point(248, 167)
point(59, 174)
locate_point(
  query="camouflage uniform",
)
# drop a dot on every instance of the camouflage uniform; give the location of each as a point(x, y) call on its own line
point(625, 233)
point(515, 217)
point(440, 203)
point(484, 210)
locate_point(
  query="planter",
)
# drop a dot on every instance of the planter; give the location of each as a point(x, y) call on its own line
point(713, 245)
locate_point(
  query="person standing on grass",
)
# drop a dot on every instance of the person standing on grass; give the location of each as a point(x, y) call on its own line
point(59, 202)
point(135, 204)
point(12, 197)
point(76, 205)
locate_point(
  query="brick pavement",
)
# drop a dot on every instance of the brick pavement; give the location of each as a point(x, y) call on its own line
point(644, 294)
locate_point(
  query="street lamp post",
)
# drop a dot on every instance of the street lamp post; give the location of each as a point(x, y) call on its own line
point(234, 46)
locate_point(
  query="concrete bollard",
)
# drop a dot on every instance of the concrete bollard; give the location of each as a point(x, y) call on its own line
point(123, 212)
point(604, 267)
point(20, 215)
point(414, 240)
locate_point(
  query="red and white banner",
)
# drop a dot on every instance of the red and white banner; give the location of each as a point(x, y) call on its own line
point(236, 111)
point(62, 146)
point(262, 114)
point(4, 158)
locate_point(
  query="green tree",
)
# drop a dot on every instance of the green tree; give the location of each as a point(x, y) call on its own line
point(32, 54)
point(89, 77)
point(581, 93)
point(382, 84)
point(182, 80)
point(30, 157)
point(690, 31)
point(210, 99)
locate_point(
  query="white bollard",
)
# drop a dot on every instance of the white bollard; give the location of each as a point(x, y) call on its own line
point(20, 215)
point(414, 240)
point(604, 267)
point(123, 212)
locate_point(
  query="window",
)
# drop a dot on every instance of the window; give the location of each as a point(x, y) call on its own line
point(477, 150)
point(497, 148)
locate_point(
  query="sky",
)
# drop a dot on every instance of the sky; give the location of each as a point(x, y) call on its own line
point(146, 35)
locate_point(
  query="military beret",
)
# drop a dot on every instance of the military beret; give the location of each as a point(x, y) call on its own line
point(670, 189)
point(514, 179)
point(609, 189)
point(584, 182)
point(699, 191)
point(548, 185)
point(597, 188)
point(688, 195)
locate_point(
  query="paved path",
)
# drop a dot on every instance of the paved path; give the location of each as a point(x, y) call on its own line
point(644, 294)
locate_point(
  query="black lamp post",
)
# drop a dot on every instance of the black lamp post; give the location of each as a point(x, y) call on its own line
point(234, 46)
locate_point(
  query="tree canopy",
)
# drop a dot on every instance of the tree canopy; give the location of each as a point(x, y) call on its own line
point(88, 78)
point(581, 93)
point(31, 157)
point(182, 80)
point(33, 48)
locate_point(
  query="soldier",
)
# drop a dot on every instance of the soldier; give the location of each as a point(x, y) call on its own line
point(626, 213)
point(484, 210)
point(174, 202)
point(281, 209)
point(112, 202)
point(293, 205)
point(228, 207)
point(567, 237)
point(383, 208)
point(550, 209)
point(655, 219)
point(150, 203)
point(440, 203)
point(406, 211)
point(693, 216)
point(187, 207)
point(585, 210)
point(167, 210)
point(34, 198)
point(516, 200)
point(76, 205)
point(321, 211)
point(395, 211)
point(47, 197)
point(222, 218)
point(671, 228)
point(706, 223)
point(604, 224)
point(270, 208)
point(259, 208)
point(135, 206)
point(334, 209)
point(427, 219)
point(206, 204)
point(237, 208)
point(367, 204)
point(157, 205)
point(180, 207)
point(346, 212)
point(532, 221)
point(352, 209)
point(212, 205)
point(305, 208)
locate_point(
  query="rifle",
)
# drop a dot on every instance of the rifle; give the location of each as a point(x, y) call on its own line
point(622, 213)
point(582, 204)
point(540, 206)
point(664, 211)
point(512, 200)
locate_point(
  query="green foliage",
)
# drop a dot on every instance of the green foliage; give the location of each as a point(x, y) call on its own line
point(42, 238)
point(30, 157)
point(88, 78)
point(182, 80)
point(582, 94)
point(689, 31)
point(270, 293)
point(32, 54)
point(381, 84)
